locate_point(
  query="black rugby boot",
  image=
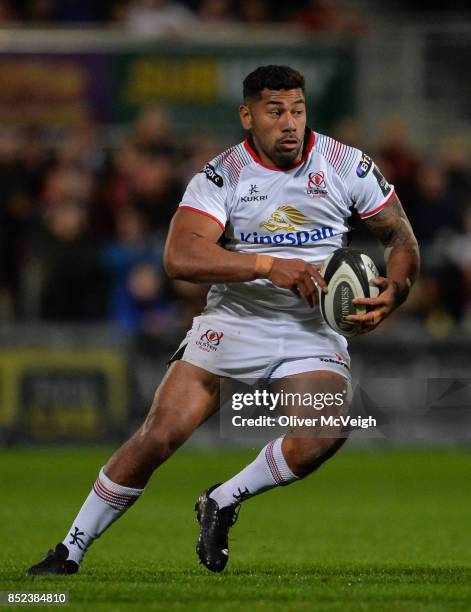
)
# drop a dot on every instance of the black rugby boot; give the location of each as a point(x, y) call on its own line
point(213, 546)
point(55, 562)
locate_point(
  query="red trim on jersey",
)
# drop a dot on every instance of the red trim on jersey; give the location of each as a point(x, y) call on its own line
point(203, 212)
point(335, 154)
point(380, 207)
point(254, 155)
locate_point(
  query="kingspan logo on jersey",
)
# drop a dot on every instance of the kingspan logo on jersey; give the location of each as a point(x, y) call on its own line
point(285, 221)
point(253, 195)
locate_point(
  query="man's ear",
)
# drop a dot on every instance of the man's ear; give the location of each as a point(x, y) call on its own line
point(245, 117)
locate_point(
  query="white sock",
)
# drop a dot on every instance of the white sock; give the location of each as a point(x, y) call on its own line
point(267, 471)
point(106, 503)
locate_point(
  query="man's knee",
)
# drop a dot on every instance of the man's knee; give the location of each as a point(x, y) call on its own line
point(305, 455)
point(160, 435)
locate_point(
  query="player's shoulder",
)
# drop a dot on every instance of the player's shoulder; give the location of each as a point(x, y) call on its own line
point(340, 157)
point(226, 167)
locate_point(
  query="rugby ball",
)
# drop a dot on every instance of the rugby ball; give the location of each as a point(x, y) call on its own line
point(349, 274)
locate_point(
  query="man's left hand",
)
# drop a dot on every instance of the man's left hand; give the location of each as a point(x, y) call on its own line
point(379, 307)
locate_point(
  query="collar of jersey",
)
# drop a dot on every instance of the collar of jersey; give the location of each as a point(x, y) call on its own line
point(309, 139)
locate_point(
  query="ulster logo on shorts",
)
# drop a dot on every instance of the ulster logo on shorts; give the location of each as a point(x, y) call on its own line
point(210, 340)
point(316, 186)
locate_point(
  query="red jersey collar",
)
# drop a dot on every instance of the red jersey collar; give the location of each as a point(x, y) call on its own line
point(309, 138)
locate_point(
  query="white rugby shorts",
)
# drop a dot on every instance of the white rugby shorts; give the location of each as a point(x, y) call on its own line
point(259, 348)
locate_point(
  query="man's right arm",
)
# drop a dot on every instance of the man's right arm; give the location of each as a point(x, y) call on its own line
point(192, 254)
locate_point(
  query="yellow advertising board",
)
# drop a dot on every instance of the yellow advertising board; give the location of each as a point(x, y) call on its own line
point(53, 394)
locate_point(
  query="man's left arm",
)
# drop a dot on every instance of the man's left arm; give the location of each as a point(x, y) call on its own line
point(401, 251)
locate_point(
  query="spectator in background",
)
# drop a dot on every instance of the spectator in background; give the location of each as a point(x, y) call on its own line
point(156, 191)
point(23, 162)
point(398, 158)
point(148, 183)
point(79, 161)
point(190, 300)
point(152, 133)
point(118, 194)
point(139, 300)
point(145, 171)
point(158, 17)
point(83, 148)
point(454, 157)
point(66, 181)
point(437, 301)
point(72, 289)
point(434, 210)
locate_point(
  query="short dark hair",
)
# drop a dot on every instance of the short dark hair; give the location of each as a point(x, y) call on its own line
point(272, 77)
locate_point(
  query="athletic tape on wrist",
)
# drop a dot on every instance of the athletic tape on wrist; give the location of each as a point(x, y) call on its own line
point(263, 266)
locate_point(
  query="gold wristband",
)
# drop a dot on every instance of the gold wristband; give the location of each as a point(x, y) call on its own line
point(263, 266)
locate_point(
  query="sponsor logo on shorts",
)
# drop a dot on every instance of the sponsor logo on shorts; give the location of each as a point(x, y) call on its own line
point(212, 175)
point(337, 360)
point(210, 340)
point(316, 186)
point(364, 166)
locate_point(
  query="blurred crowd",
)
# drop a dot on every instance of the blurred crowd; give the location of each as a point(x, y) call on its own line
point(83, 225)
point(170, 17)
point(434, 187)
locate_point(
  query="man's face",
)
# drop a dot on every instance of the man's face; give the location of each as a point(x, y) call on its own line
point(277, 121)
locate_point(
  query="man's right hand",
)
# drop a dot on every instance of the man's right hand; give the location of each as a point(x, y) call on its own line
point(300, 277)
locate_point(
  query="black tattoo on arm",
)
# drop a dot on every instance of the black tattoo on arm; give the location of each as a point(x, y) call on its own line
point(391, 226)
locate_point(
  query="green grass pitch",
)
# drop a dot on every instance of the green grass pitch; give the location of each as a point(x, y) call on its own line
point(370, 531)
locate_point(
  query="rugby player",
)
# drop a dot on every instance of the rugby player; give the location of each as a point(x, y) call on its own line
point(282, 201)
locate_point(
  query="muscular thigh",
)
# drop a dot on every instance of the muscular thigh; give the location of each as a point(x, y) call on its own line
point(187, 395)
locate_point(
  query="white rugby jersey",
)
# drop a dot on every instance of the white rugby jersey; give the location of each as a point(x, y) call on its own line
point(301, 212)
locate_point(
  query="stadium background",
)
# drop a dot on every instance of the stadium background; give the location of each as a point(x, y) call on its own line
point(106, 111)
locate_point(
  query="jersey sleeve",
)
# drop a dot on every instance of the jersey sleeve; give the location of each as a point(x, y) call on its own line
point(370, 192)
point(207, 194)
